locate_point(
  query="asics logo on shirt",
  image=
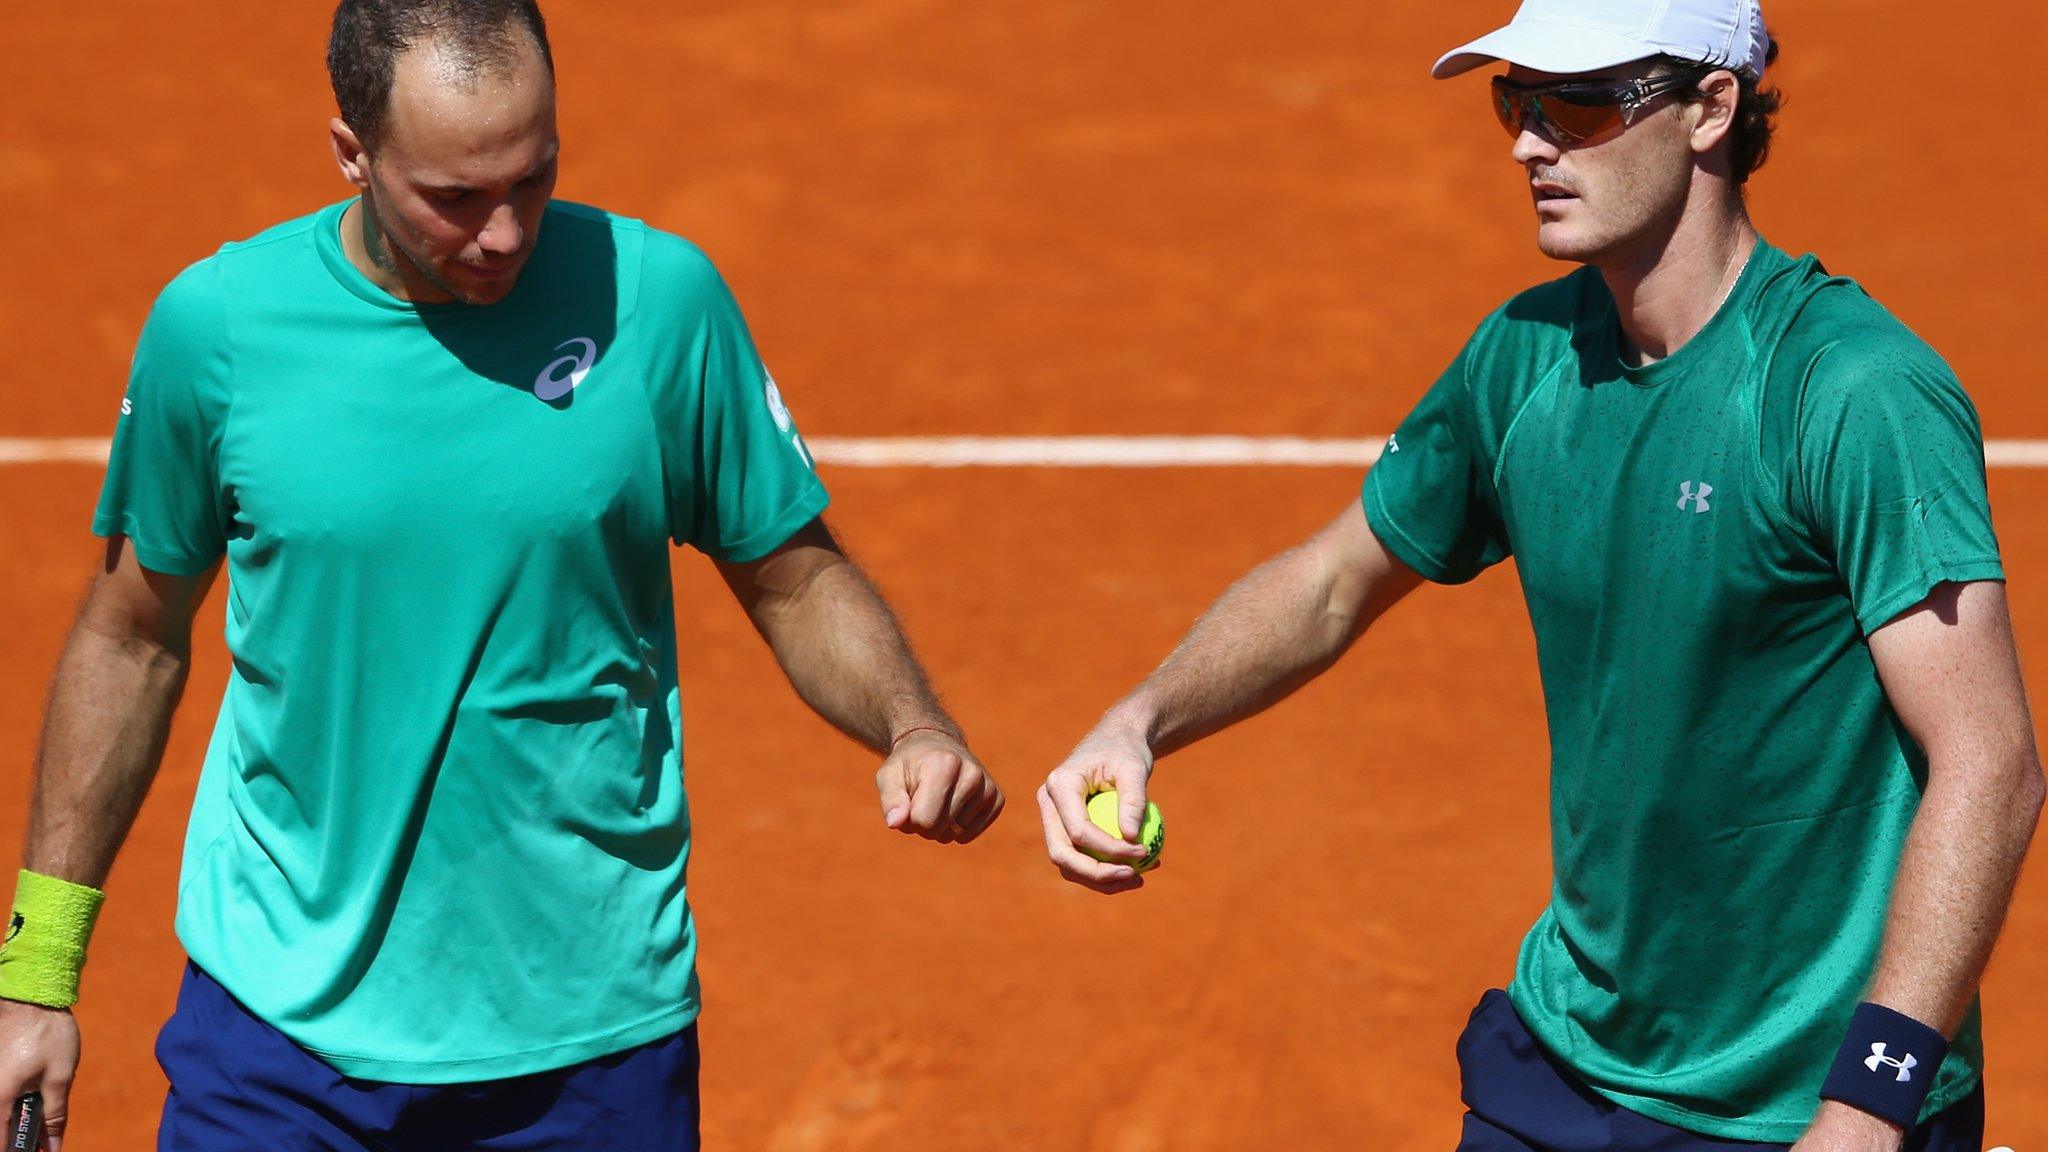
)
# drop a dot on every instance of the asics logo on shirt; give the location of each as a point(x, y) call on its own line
point(552, 384)
point(1698, 500)
point(1877, 1059)
point(779, 412)
point(776, 408)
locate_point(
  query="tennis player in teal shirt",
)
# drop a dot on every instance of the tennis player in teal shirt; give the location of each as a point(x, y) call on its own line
point(1792, 772)
point(444, 435)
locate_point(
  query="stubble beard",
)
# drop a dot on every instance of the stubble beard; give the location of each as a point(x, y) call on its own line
point(395, 260)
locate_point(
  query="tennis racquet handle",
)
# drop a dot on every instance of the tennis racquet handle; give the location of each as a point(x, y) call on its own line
point(25, 1132)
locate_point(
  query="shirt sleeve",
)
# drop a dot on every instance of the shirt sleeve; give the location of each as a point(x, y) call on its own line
point(741, 480)
point(163, 487)
point(1891, 470)
point(1430, 498)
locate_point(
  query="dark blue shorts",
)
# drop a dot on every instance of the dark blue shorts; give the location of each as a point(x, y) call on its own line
point(239, 1085)
point(1522, 1100)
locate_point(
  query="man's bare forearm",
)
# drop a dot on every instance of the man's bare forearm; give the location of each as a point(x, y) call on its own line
point(844, 651)
point(109, 713)
point(1277, 628)
point(1954, 885)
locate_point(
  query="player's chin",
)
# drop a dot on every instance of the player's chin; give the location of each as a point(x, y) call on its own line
point(1562, 240)
point(484, 285)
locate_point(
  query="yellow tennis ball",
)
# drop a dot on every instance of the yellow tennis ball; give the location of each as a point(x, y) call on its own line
point(1102, 812)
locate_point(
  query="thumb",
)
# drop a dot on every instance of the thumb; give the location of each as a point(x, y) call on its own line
point(895, 794)
point(56, 1109)
point(1130, 805)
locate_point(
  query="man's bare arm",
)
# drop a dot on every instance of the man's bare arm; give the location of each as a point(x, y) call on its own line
point(1280, 626)
point(846, 655)
point(111, 699)
point(119, 679)
point(1951, 673)
point(1277, 628)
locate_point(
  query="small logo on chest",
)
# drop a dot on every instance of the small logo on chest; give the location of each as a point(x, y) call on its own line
point(553, 383)
point(1694, 496)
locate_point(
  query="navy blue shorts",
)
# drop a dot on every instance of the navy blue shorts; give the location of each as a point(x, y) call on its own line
point(1522, 1100)
point(239, 1085)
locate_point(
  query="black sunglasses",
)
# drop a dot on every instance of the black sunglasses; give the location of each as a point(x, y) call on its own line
point(1577, 110)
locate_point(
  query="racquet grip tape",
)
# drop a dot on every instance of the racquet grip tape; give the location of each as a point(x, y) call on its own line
point(25, 1133)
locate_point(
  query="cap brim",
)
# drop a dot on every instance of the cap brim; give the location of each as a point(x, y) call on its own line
point(1545, 46)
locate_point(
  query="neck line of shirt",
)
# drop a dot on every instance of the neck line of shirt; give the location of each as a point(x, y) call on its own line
point(1762, 261)
point(327, 238)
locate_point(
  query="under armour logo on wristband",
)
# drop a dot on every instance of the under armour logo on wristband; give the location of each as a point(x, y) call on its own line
point(1866, 1076)
point(14, 928)
point(1878, 1059)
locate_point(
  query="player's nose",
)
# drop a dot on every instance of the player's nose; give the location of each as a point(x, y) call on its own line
point(502, 235)
point(1532, 147)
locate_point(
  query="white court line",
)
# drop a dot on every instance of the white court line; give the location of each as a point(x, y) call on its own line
point(1034, 452)
point(1093, 451)
point(53, 450)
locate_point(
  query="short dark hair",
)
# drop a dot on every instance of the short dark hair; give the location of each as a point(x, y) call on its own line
point(1749, 141)
point(370, 35)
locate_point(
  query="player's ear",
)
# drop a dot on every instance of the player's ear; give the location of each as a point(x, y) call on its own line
point(1714, 113)
point(349, 153)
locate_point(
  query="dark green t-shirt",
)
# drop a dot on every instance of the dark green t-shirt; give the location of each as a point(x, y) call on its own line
point(1704, 544)
point(441, 832)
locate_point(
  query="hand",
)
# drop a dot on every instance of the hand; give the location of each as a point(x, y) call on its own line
point(1839, 1128)
point(38, 1053)
point(932, 786)
point(1112, 756)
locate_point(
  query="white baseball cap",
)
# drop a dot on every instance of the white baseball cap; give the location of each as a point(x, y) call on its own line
point(1568, 36)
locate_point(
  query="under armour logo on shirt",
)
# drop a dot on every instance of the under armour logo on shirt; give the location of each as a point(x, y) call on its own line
point(1698, 499)
point(1878, 1059)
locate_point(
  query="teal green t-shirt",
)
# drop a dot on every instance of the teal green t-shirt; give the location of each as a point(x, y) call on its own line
point(1704, 544)
point(441, 833)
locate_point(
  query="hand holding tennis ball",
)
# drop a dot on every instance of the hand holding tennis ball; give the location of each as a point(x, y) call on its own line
point(1103, 811)
point(1100, 831)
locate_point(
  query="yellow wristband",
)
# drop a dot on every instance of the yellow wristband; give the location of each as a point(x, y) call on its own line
point(46, 938)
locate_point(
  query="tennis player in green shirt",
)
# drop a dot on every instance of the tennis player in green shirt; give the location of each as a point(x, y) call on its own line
point(1792, 770)
point(443, 435)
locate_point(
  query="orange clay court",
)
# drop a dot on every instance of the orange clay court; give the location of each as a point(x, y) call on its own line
point(1038, 217)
